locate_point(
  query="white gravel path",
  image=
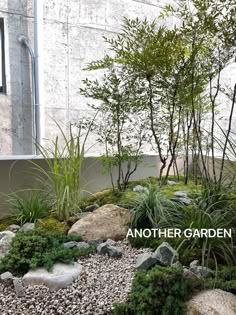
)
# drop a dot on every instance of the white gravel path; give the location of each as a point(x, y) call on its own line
point(104, 281)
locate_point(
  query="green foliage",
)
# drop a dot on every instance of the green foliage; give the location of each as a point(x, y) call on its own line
point(119, 129)
point(62, 179)
point(225, 280)
point(28, 206)
point(51, 224)
point(150, 207)
point(214, 196)
point(39, 248)
point(159, 291)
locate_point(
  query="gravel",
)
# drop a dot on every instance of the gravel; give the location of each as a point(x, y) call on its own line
point(104, 281)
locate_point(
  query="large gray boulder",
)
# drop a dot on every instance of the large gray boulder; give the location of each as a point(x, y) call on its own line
point(108, 221)
point(212, 302)
point(60, 277)
point(166, 255)
point(5, 242)
point(145, 261)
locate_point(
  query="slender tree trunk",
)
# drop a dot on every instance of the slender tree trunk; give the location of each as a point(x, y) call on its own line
point(227, 136)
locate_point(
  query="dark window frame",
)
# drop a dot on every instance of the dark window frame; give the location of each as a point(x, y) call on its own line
point(2, 47)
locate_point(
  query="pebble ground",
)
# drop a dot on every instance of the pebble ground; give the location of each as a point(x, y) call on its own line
point(104, 281)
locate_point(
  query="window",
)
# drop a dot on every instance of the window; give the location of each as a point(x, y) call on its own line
point(2, 59)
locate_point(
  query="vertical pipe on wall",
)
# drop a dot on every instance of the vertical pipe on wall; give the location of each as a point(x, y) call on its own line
point(39, 82)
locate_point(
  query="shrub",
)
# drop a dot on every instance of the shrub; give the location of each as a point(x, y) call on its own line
point(159, 291)
point(150, 207)
point(39, 248)
point(28, 206)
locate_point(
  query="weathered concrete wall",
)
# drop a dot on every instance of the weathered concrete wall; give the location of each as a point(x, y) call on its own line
point(18, 174)
point(73, 31)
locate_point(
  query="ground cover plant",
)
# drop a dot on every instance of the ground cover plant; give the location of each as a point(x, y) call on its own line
point(160, 291)
point(40, 248)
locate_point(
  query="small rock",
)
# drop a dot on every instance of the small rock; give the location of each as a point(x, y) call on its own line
point(7, 278)
point(27, 227)
point(91, 208)
point(13, 228)
point(171, 182)
point(110, 242)
point(20, 291)
point(165, 254)
point(140, 189)
point(70, 244)
point(200, 270)
point(5, 242)
point(82, 245)
point(188, 274)
point(145, 261)
point(186, 201)
point(182, 194)
point(110, 250)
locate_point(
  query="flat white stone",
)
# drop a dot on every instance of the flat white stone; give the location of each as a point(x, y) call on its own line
point(61, 276)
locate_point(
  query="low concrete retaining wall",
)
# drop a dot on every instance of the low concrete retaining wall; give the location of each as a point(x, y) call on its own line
point(17, 173)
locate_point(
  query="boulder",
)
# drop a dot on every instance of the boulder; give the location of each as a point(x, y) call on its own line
point(27, 227)
point(111, 251)
point(60, 277)
point(108, 221)
point(140, 189)
point(212, 302)
point(166, 255)
point(145, 261)
point(5, 242)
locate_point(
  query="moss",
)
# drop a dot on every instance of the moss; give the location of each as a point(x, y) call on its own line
point(190, 188)
point(52, 225)
point(109, 196)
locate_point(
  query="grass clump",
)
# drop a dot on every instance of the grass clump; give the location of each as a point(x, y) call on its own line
point(159, 291)
point(39, 248)
point(28, 206)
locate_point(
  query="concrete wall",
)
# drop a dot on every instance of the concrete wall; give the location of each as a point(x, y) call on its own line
point(17, 174)
point(73, 31)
